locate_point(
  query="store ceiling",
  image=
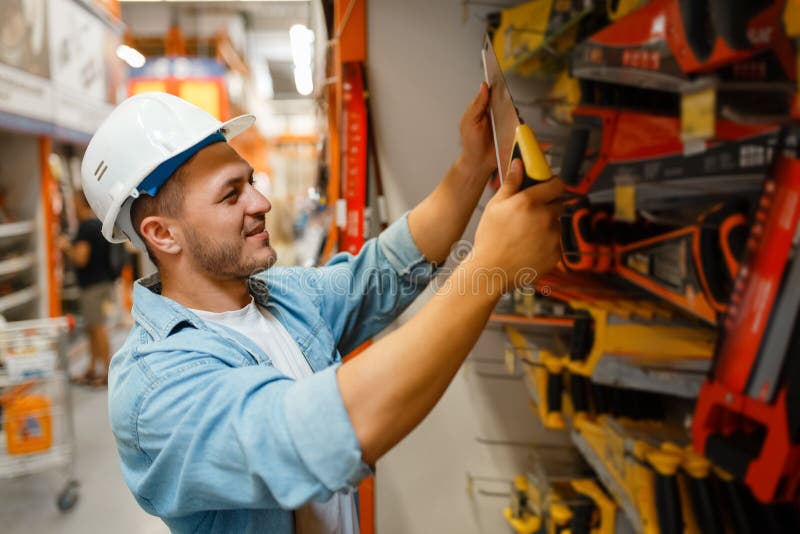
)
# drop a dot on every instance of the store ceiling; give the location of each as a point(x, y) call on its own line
point(264, 26)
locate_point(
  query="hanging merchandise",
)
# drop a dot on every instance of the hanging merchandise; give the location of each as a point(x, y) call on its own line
point(536, 37)
point(354, 159)
point(678, 277)
point(605, 143)
point(380, 209)
point(692, 267)
point(665, 43)
point(747, 418)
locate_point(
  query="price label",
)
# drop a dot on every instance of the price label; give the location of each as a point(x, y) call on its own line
point(625, 201)
point(698, 114)
point(511, 361)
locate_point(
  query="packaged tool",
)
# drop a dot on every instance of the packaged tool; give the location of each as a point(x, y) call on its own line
point(747, 418)
point(536, 37)
point(664, 43)
point(605, 143)
point(578, 248)
point(692, 267)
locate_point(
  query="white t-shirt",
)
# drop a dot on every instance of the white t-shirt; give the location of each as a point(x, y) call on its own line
point(338, 515)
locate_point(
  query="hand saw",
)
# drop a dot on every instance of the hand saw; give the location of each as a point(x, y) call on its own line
point(512, 139)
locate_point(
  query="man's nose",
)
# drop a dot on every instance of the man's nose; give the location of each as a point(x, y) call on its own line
point(257, 203)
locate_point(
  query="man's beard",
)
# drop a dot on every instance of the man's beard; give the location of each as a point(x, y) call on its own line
point(223, 260)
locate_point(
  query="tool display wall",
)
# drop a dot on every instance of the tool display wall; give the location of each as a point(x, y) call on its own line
point(666, 342)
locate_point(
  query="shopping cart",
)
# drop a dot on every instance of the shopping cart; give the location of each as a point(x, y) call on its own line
point(37, 430)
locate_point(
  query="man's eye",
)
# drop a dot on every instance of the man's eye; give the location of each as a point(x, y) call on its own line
point(230, 195)
point(251, 180)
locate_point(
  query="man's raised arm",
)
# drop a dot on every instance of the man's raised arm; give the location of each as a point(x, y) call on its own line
point(440, 219)
point(395, 383)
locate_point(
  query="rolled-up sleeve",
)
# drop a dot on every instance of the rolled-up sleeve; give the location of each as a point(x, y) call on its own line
point(222, 438)
point(362, 294)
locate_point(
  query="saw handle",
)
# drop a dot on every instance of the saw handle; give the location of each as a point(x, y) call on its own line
point(668, 501)
point(535, 168)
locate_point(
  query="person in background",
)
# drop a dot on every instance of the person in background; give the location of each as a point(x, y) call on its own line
point(91, 254)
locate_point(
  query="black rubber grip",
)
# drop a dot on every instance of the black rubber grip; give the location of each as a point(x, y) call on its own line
point(600, 398)
point(668, 504)
point(555, 387)
point(731, 17)
point(527, 181)
point(581, 521)
point(735, 451)
point(574, 154)
point(705, 510)
point(737, 503)
point(582, 336)
point(578, 386)
point(697, 28)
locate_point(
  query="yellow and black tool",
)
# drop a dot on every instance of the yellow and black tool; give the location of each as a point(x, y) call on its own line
point(606, 507)
point(512, 139)
point(518, 514)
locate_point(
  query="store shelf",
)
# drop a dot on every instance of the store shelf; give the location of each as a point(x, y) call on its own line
point(671, 194)
point(18, 298)
point(608, 480)
point(16, 229)
point(536, 321)
point(680, 378)
point(16, 264)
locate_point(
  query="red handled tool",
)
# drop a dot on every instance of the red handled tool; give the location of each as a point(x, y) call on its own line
point(747, 418)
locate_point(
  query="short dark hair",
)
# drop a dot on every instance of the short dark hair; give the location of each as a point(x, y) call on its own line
point(168, 201)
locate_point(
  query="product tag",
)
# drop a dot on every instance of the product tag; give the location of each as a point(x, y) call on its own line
point(511, 361)
point(625, 200)
point(341, 213)
point(698, 114)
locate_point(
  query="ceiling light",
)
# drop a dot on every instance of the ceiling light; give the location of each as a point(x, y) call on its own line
point(302, 40)
point(131, 56)
point(303, 80)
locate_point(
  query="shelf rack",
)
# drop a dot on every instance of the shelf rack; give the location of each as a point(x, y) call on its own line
point(16, 229)
point(16, 264)
point(18, 298)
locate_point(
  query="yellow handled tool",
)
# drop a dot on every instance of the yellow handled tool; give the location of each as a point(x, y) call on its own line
point(512, 139)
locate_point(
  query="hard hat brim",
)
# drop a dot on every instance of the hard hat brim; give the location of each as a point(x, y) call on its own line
point(236, 125)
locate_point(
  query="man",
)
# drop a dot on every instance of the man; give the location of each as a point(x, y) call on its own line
point(231, 410)
point(91, 255)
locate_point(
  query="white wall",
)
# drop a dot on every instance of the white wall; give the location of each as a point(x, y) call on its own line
point(424, 68)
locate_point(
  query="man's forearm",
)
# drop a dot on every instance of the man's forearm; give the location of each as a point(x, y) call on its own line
point(441, 218)
point(393, 385)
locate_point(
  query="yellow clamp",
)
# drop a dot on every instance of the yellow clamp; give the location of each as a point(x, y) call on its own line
point(606, 506)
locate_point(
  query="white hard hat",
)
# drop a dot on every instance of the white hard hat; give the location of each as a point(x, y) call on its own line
point(138, 146)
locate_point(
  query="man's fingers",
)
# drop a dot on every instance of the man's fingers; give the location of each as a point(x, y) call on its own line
point(512, 181)
point(544, 192)
point(477, 108)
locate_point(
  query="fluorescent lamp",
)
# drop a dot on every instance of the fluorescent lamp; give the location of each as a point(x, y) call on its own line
point(302, 39)
point(303, 80)
point(131, 56)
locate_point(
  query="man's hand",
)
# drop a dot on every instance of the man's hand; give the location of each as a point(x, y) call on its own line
point(478, 155)
point(63, 242)
point(519, 231)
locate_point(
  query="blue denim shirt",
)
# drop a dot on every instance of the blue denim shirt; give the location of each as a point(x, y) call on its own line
point(211, 437)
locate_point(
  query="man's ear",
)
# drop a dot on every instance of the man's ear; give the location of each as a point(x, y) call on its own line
point(159, 234)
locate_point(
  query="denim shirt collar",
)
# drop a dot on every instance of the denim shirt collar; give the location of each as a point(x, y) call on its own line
point(160, 316)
